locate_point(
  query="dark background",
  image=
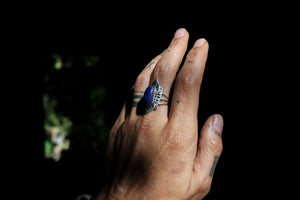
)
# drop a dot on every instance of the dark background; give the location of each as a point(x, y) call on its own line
point(242, 81)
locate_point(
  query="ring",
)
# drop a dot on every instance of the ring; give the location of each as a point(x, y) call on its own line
point(153, 97)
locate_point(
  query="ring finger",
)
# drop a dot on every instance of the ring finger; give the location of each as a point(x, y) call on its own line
point(142, 82)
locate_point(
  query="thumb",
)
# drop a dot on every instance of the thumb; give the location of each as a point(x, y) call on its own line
point(208, 152)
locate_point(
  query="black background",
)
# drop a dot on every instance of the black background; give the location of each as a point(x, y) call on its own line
point(243, 81)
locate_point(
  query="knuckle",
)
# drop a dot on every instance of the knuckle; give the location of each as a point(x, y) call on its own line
point(215, 146)
point(174, 141)
point(188, 80)
point(162, 69)
point(179, 138)
point(144, 125)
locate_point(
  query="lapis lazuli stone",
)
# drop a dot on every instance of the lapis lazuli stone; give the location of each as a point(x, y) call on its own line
point(148, 96)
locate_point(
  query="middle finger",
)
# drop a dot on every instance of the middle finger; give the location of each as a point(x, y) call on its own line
point(167, 67)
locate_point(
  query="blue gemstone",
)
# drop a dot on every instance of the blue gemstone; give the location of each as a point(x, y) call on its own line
point(148, 95)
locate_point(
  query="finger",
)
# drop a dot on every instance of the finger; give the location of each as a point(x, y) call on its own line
point(208, 152)
point(187, 87)
point(167, 67)
point(142, 82)
point(112, 138)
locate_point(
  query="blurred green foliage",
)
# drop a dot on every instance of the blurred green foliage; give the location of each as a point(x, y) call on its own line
point(53, 118)
point(75, 122)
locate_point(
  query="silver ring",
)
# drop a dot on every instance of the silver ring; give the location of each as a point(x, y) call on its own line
point(153, 97)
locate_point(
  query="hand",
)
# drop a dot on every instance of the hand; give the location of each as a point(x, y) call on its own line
point(158, 155)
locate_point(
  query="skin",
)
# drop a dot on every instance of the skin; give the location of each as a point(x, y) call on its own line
point(159, 155)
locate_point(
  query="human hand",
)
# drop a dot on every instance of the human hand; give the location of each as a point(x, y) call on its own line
point(158, 155)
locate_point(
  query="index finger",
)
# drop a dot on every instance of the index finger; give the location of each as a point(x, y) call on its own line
point(185, 99)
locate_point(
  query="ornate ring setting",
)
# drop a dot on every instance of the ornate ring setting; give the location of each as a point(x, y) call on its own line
point(153, 97)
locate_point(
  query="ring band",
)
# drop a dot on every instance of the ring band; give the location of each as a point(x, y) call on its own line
point(153, 97)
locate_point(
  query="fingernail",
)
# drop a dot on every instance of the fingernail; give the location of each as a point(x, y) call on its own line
point(218, 123)
point(179, 33)
point(199, 42)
